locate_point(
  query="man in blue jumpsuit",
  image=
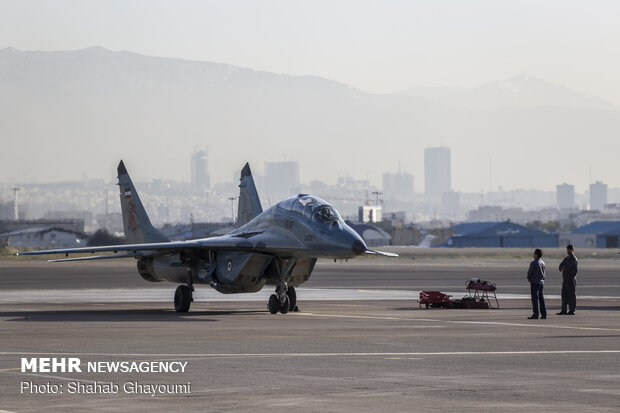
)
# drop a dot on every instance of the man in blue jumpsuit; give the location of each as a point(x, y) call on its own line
point(536, 277)
point(569, 282)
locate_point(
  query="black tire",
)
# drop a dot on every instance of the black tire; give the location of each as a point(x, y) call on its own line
point(285, 307)
point(292, 298)
point(182, 298)
point(274, 304)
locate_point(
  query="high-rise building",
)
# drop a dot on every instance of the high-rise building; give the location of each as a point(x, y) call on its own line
point(282, 178)
point(565, 196)
point(598, 196)
point(398, 185)
point(437, 171)
point(200, 173)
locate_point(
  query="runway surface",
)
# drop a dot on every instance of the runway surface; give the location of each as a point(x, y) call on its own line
point(359, 343)
point(596, 276)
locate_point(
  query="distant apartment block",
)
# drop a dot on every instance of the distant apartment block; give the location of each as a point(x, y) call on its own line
point(370, 213)
point(398, 185)
point(349, 183)
point(282, 178)
point(519, 215)
point(437, 171)
point(598, 196)
point(199, 169)
point(565, 195)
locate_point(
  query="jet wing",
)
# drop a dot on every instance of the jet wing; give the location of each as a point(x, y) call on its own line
point(156, 246)
point(100, 257)
point(257, 241)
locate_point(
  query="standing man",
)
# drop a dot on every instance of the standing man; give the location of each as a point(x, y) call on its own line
point(569, 282)
point(536, 277)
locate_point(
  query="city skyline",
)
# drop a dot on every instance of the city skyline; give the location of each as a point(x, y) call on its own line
point(169, 202)
point(282, 178)
point(389, 177)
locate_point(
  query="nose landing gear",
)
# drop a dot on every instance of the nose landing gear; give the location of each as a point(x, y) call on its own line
point(285, 298)
point(292, 298)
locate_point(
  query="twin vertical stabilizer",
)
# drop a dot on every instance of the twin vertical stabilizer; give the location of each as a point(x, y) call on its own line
point(138, 227)
point(249, 203)
point(136, 223)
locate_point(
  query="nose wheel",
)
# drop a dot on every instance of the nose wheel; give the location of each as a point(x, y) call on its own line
point(275, 306)
point(285, 298)
point(292, 298)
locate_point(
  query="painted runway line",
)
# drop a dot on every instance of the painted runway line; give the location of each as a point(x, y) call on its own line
point(327, 354)
point(349, 316)
point(124, 295)
point(542, 325)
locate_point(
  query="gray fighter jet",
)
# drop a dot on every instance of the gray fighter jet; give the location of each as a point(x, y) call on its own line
point(279, 246)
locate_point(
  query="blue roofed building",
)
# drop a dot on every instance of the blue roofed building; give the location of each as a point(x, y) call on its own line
point(597, 234)
point(499, 235)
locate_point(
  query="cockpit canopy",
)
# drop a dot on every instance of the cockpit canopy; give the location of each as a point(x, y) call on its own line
point(312, 208)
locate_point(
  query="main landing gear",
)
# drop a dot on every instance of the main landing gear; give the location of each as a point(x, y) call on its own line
point(284, 300)
point(184, 294)
point(183, 297)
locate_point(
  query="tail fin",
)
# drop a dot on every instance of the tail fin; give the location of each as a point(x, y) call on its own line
point(426, 242)
point(249, 203)
point(136, 223)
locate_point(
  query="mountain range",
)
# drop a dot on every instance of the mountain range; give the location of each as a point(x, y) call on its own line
point(519, 91)
point(67, 112)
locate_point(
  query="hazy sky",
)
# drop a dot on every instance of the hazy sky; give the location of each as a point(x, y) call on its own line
point(377, 46)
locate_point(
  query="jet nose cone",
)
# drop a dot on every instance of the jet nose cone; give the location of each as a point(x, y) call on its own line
point(359, 247)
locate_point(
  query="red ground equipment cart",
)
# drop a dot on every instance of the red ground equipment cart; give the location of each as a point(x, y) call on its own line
point(480, 295)
point(482, 291)
point(436, 299)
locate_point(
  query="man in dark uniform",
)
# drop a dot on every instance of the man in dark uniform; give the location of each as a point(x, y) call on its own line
point(569, 282)
point(536, 277)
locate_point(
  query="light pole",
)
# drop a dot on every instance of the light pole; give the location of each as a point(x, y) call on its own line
point(15, 208)
point(377, 193)
point(232, 208)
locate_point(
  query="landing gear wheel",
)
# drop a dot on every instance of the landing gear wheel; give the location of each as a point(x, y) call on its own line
point(274, 304)
point(182, 298)
point(284, 307)
point(292, 298)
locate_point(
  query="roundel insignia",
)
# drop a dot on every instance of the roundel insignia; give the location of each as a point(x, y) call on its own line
point(229, 265)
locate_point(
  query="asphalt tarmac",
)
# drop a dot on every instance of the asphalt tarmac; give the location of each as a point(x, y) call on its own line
point(360, 342)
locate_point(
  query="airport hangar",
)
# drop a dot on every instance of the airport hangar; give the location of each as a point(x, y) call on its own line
point(499, 235)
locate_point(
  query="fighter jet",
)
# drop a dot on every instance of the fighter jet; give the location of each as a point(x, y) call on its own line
point(277, 247)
